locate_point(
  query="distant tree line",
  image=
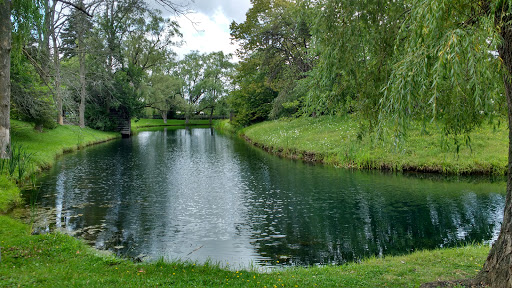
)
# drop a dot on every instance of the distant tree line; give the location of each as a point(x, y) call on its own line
point(82, 61)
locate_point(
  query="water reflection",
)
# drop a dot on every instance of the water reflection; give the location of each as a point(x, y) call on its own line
point(196, 195)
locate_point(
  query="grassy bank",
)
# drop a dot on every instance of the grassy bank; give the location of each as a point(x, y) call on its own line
point(142, 123)
point(43, 148)
point(340, 141)
point(61, 261)
point(224, 126)
point(56, 260)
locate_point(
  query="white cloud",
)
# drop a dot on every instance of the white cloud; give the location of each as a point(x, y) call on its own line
point(205, 34)
point(212, 18)
point(232, 9)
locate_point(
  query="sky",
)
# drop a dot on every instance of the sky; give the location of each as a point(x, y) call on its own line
point(207, 29)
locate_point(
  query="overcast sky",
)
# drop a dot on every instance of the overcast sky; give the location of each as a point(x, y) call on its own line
point(211, 30)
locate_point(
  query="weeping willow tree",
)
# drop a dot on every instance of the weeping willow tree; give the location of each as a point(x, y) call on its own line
point(453, 62)
point(353, 41)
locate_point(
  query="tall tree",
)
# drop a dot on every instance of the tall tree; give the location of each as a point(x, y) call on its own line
point(206, 78)
point(276, 33)
point(5, 85)
point(132, 42)
point(216, 81)
point(82, 29)
point(54, 27)
point(25, 14)
point(165, 94)
point(455, 64)
point(190, 69)
point(74, 38)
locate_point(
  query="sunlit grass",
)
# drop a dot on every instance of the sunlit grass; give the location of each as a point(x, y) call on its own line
point(341, 141)
point(56, 260)
point(44, 147)
point(170, 122)
point(47, 145)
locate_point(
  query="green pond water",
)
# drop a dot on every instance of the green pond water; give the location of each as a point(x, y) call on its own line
point(197, 195)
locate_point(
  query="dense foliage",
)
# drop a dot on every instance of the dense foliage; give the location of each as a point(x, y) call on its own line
point(342, 57)
point(388, 62)
point(94, 62)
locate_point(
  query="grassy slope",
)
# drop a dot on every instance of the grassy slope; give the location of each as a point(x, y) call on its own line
point(170, 122)
point(61, 261)
point(45, 147)
point(334, 140)
point(51, 143)
point(56, 260)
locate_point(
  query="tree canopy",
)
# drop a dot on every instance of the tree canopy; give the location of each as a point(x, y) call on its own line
point(388, 62)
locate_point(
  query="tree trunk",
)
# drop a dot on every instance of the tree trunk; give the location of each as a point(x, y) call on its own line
point(56, 64)
point(497, 269)
point(5, 77)
point(57, 81)
point(211, 115)
point(81, 59)
point(164, 116)
point(81, 108)
point(45, 45)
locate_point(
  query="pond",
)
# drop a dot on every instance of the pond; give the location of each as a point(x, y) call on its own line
point(194, 194)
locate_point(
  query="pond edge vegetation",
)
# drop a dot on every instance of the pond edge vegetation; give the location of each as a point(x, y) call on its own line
point(60, 260)
point(345, 144)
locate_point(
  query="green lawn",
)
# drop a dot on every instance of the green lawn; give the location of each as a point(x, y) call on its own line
point(57, 260)
point(339, 141)
point(47, 145)
point(43, 148)
point(140, 123)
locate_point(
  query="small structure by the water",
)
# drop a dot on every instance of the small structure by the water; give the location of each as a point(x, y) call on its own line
point(122, 118)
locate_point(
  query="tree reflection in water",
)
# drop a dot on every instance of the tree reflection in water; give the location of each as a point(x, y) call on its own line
point(194, 195)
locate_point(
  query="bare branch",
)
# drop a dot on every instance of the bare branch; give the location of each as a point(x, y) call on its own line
point(42, 73)
point(79, 8)
point(178, 9)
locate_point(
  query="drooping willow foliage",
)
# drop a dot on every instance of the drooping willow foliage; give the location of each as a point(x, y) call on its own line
point(354, 41)
point(386, 61)
point(446, 67)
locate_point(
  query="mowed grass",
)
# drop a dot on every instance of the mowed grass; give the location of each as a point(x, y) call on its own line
point(46, 146)
point(341, 142)
point(43, 148)
point(57, 260)
point(140, 123)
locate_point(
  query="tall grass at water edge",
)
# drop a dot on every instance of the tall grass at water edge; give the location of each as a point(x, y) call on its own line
point(34, 151)
point(344, 142)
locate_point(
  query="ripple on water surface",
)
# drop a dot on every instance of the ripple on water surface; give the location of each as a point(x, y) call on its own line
point(197, 195)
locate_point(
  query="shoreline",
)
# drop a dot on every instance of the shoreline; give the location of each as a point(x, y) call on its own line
point(56, 259)
point(46, 148)
point(276, 138)
point(312, 157)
